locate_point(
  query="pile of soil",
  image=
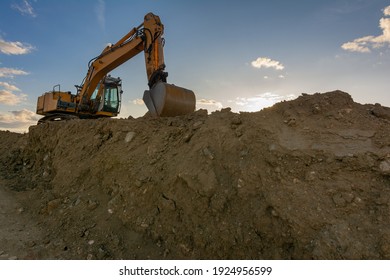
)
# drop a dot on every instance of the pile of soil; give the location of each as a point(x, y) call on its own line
point(304, 179)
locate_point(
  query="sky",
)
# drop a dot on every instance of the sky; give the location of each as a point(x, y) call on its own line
point(246, 54)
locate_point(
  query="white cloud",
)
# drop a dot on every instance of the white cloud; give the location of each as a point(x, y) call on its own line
point(209, 102)
point(367, 43)
point(260, 101)
point(15, 48)
point(9, 98)
point(100, 10)
point(11, 72)
point(357, 45)
point(7, 95)
point(9, 87)
point(267, 62)
point(138, 101)
point(25, 8)
point(386, 11)
point(18, 121)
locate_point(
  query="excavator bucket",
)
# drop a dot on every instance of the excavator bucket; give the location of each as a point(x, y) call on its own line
point(167, 100)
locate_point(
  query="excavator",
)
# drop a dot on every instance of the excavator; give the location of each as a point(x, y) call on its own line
point(99, 94)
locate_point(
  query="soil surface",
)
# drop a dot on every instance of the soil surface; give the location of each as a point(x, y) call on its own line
point(304, 179)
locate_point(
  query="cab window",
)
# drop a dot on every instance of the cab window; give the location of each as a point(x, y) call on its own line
point(111, 101)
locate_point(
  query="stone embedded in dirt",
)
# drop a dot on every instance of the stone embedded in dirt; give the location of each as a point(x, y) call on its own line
point(129, 136)
point(384, 167)
point(53, 204)
point(380, 111)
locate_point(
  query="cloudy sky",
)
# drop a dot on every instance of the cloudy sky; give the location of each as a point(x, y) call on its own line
point(240, 54)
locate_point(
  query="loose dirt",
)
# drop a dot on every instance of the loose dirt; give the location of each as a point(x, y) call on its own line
point(304, 179)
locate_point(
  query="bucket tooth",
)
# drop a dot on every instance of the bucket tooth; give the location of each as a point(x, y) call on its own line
point(147, 98)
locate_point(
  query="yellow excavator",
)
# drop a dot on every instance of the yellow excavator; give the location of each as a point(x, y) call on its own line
point(99, 95)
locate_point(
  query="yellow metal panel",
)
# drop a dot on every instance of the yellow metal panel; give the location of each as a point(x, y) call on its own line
point(40, 105)
point(50, 104)
point(106, 114)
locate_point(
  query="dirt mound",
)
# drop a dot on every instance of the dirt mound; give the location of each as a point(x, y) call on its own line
point(308, 178)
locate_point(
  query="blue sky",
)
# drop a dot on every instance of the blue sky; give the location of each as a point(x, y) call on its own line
point(240, 54)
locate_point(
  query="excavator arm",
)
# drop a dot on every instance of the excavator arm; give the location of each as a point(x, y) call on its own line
point(162, 99)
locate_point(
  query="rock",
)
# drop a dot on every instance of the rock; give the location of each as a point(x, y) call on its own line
point(348, 197)
point(129, 136)
point(207, 152)
point(30, 243)
point(384, 167)
point(53, 204)
point(238, 132)
point(138, 183)
point(291, 122)
point(92, 205)
point(381, 112)
point(310, 176)
point(339, 200)
point(236, 120)
point(197, 124)
point(187, 137)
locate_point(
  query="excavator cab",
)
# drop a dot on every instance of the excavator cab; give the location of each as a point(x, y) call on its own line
point(112, 93)
point(106, 99)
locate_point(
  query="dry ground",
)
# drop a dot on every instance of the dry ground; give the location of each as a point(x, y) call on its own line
point(304, 179)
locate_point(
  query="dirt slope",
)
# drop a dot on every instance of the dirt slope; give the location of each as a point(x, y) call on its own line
point(308, 178)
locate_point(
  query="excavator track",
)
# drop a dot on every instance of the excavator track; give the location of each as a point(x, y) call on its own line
point(56, 117)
